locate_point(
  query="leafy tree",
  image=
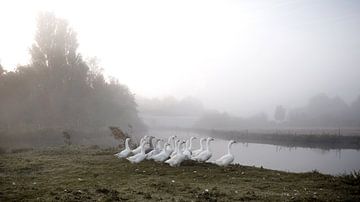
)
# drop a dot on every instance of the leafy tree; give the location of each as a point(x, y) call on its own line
point(55, 43)
point(58, 89)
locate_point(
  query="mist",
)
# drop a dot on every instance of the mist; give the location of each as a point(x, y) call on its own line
point(239, 57)
point(180, 101)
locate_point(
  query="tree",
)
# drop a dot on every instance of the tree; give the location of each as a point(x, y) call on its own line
point(58, 89)
point(55, 43)
point(280, 113)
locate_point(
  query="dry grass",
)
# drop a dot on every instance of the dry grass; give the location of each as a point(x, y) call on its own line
point(92, 174)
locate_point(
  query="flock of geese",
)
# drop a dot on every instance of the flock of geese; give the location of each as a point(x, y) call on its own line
point(173, 151)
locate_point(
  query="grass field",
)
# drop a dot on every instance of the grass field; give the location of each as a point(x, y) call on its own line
point(92, 174)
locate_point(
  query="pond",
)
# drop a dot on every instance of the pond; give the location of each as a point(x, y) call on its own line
point(292, 159)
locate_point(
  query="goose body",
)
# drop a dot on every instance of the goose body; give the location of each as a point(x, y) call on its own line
point(140, 156)
point(138, 149)
point(198, 151)
point(176, 148)
point(155, 151)
point(171, 142)
point(187, 152)
point(176, 152)
point(227, 158)
point(178, 158)
point(205, 155)
point(163, 155)
point(150, 146)
point(126, 152)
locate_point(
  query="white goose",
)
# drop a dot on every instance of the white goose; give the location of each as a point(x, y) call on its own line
point(156, 150)
point(149, 147)
point(178, 158)
point(163, 155)
point(176, 148)
point(205, 155)
point(138, 149)
point(198, 151)
point(187, 152)
point(126, 152)
point(171, 142)
point(227, 158)
point(140, 156)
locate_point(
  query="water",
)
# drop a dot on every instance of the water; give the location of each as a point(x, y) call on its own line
point(333, 161)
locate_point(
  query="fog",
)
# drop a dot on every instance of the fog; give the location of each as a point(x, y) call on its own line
point(241, 57)
point(96, 92)
point(248, 66)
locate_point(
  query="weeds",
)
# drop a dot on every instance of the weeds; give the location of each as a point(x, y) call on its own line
point(353, 178)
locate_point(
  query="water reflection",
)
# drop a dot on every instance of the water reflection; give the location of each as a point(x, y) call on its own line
point(292, 159)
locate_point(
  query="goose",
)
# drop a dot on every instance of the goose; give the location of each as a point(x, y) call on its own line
point(150, 146)
point(156, 150)
point(227, 158)
point(138, 149)
point(187, 152)
point(176, 149)
point(171, 141)
point(205, 155)
point(163, 155)
point(191, 140)
point(140, 156)
point(198, 151)
point(126, 152)
point(178, 158)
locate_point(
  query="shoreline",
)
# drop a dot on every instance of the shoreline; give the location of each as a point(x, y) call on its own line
point(319, 141)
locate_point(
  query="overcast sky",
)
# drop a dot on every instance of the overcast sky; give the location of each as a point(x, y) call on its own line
point(236, 56)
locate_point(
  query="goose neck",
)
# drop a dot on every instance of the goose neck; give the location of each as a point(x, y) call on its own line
point(127, 144)
point(142, 148)
point(190, 144)
point(208, 144)
point(229, 147)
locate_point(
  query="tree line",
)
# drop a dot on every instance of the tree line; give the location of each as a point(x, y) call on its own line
point(320, 111)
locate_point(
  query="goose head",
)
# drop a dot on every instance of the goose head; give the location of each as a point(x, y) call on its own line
point(166, 145)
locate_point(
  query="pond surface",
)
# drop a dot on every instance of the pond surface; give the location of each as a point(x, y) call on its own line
point(299, 159)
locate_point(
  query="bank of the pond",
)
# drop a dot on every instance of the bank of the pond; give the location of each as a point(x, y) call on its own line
point(83, 174)
point(283, 138)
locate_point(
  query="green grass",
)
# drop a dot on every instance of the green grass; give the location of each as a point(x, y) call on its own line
point(83, 174)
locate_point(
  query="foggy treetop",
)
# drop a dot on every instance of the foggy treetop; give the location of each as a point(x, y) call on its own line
point(59, 89)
